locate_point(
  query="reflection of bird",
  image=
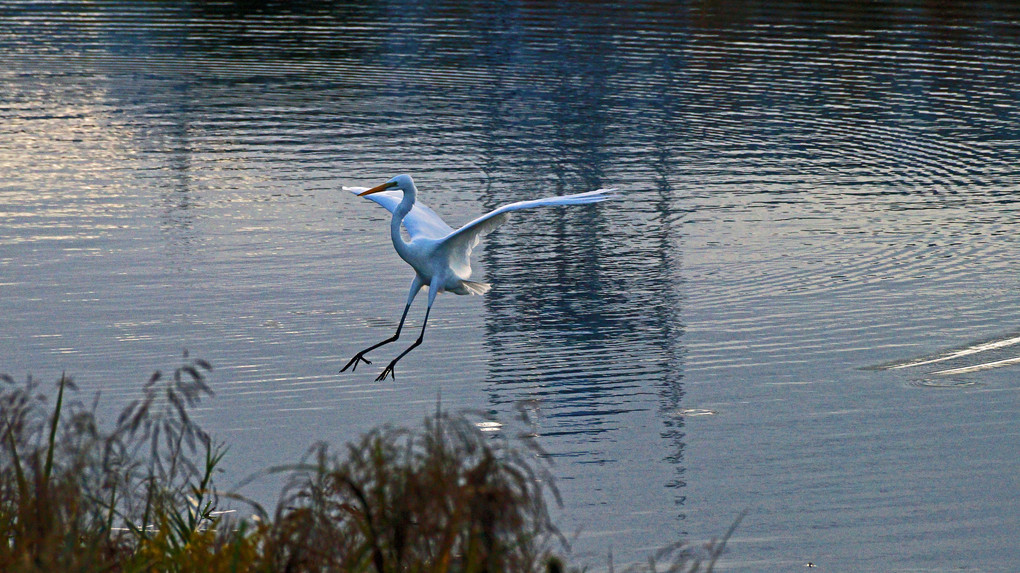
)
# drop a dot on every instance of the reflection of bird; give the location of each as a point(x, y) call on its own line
point(441, 256)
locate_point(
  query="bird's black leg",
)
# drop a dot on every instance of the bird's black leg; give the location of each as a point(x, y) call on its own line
point(360, 357)
point(388, 371)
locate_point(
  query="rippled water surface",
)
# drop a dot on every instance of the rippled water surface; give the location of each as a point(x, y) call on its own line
point(803, 306)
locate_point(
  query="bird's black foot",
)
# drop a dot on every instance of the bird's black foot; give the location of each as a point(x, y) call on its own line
point(388, 371)
point(353, 364)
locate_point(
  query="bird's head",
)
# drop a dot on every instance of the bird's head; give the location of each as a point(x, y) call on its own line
point(402, 182)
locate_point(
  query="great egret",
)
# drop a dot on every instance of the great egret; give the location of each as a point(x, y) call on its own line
point(440, 255)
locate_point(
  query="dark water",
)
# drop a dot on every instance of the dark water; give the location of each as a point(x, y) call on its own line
point(803, 307)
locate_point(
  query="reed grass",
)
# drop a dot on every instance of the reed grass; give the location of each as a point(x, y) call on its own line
point(141, 496)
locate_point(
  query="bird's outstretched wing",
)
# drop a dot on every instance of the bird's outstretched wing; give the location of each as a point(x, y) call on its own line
point(458, 244)
point(420, 222)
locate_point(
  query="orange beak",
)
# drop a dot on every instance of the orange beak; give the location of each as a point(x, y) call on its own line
point(378, 188)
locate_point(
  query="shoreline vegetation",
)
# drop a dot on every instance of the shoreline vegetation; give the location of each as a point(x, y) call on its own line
point(141, 496)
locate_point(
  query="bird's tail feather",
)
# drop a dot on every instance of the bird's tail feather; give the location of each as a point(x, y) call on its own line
point(476, 288)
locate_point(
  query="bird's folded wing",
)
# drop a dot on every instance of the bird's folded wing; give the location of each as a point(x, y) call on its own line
point(420, 222)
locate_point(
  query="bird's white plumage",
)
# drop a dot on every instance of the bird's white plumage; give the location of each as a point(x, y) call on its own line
point(456, 245)
point(440, 255)
point(420, 222)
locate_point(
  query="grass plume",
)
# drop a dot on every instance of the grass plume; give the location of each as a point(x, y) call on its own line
point(141, 495)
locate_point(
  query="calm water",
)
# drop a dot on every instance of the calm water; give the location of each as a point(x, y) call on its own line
point(803, 307)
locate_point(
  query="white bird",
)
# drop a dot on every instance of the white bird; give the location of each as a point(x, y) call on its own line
point(440, 255)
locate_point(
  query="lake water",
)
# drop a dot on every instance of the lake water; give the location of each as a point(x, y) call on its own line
point(803, 306)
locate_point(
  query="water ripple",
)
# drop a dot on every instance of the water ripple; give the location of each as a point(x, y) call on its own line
point(806, 189)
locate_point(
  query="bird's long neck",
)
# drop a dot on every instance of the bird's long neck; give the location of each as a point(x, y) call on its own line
point(402, 247)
